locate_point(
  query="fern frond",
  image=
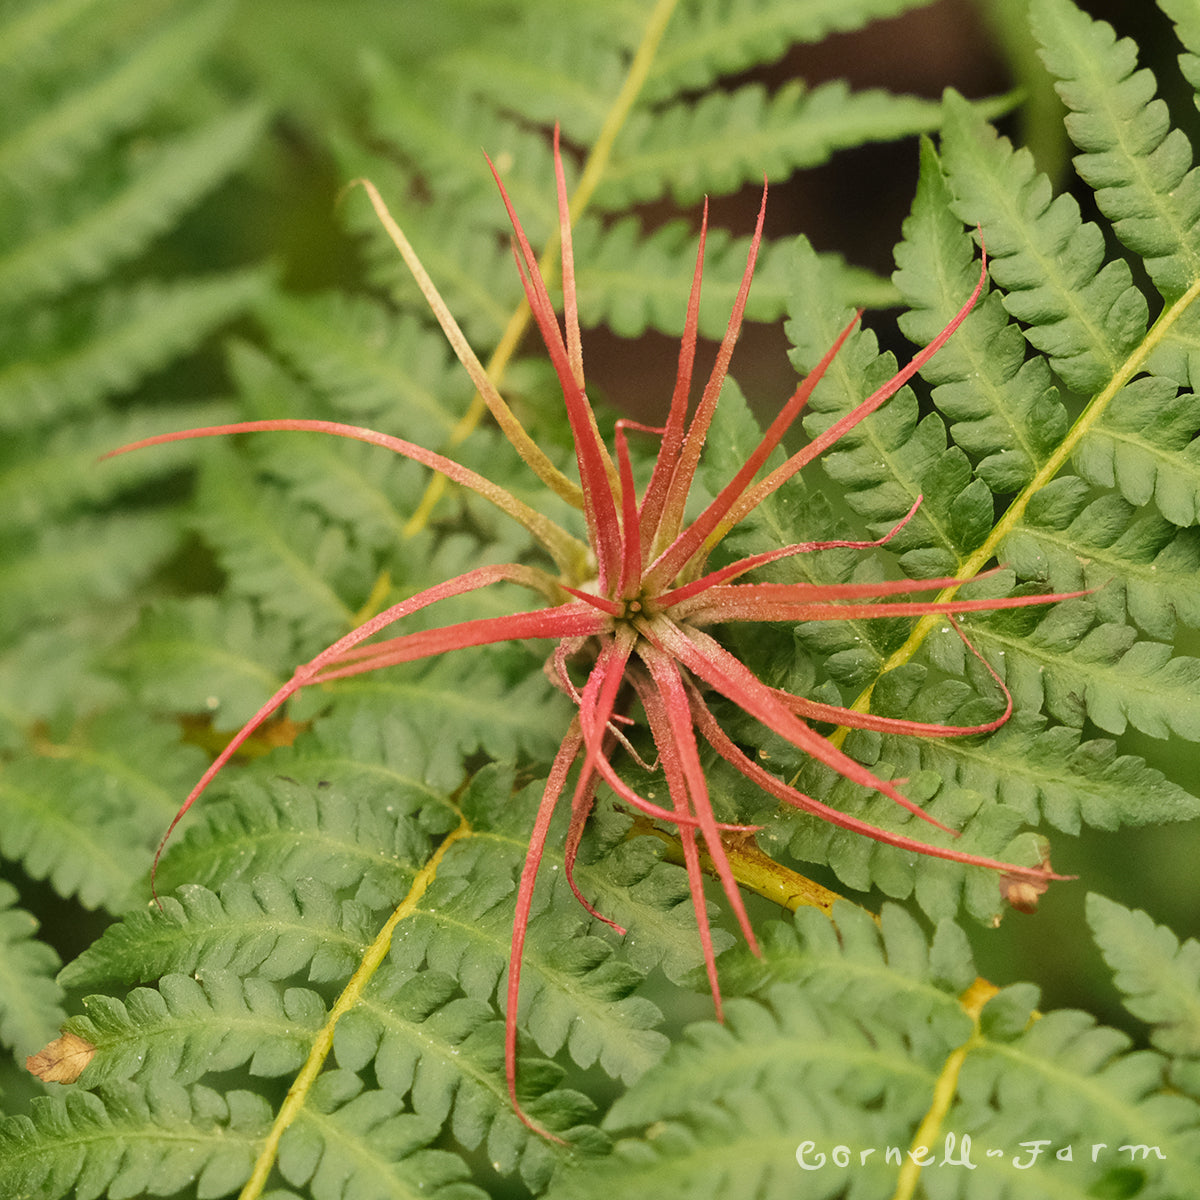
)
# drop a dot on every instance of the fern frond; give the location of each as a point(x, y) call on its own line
point(31, 1001)
point(707, 40)
point(91, 351)
point(1139, 564)
point(633, 281)
point(737, 137)
point(333, 962)
point(789, 1066)
point(345, 839)
point(1139, 167)
point(76, 810)
point(46, 249)
point(376, 747)
point(890, 965)
point(49, 145)
point(90, 560)
point(446, 142)
point(744, 1148)
point(360, 487)
point(269, 929)
point(1101, 672)
point(457, 706)
point(48, 475)
point(1105, 1094)
point(190, 1025)
point(1159, 978)
point(355, 1142)
point(294, 563)
point(1003, 408)
point(627, 880)
point(365, 492)
point(894, 456)
point(368, 362)
point(850, 651)
point(549, 70)
point(473, 267)
point(421, 1038)
point(133, 1139)
point(425, 1027)
point(1188, 30)
point(1046, 773)
point(811, 998)
point(658, 147)
point(1084, 313)
point(216, 656)
point(51, 672)
point(1143, 446)
point(941, 889)
point(577, 994)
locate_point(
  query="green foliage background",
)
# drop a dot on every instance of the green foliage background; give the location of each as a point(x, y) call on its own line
point(175, 250)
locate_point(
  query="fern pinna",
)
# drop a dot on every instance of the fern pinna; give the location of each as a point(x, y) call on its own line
point(319, 1007)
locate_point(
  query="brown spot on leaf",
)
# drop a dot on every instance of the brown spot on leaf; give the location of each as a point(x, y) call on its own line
point(62, 1060)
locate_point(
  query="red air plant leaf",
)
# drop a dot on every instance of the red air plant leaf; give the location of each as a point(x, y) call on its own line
point(633, 601)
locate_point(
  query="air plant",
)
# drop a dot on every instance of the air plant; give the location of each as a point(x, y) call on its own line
point(630, 609)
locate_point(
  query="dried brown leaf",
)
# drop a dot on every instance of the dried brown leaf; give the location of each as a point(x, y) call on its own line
point(62, 1060)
